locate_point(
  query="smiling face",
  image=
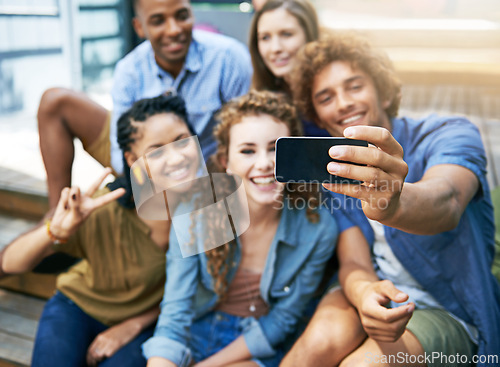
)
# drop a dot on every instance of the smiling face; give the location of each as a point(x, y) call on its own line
point(171, 153)
point(279, 37)
point(168, 25)
point(344, 96)
point(251, 156)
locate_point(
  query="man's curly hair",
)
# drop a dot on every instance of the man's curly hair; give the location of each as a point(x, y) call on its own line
point(352, 48)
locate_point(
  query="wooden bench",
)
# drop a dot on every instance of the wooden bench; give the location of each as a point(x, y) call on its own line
point(22, 298)
point(19, 316)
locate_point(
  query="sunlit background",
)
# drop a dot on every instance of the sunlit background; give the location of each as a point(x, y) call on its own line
point(76, 43)
point(447, 52)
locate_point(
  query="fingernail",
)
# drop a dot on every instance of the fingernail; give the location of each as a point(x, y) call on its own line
point(73, 197)
point(349, 132)
point(333, 167)
point(335, 152)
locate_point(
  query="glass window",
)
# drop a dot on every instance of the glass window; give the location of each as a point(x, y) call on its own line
point(99, 23)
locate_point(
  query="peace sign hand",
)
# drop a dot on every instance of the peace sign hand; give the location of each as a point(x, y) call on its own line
point(74, 207)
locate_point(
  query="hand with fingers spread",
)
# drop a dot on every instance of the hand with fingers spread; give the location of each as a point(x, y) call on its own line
point(380, 323)
point(74, 207)
point(383, 171)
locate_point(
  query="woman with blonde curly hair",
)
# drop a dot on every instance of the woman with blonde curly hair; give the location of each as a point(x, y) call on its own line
point(236, 304)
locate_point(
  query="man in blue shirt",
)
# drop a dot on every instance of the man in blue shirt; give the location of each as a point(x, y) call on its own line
point(424, 206)
point(206, 69)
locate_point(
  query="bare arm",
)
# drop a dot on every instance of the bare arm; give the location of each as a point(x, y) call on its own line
point(355, 264)
point(25, 252)
point(435, 203)
point(432, 205)
point(367, 293)
point(111, 340)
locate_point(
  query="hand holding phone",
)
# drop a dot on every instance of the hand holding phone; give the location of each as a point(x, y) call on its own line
point(304, 159)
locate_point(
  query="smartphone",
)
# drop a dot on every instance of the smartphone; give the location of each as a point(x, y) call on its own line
point(304, 159)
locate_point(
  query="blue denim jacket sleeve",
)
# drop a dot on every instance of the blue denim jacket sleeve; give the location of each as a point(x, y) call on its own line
point(288, 303)
point(171, 335)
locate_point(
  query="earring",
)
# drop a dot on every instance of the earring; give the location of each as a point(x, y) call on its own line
point(138, 174)
point(229, 172)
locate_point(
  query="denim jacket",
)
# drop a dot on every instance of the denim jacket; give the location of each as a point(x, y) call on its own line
point(293, 270)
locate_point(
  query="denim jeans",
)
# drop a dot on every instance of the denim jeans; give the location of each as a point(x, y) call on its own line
point(65, 332)
point(215, 330)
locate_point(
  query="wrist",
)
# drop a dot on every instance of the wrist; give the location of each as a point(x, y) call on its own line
point(54, 237)
point(133, 327)
point(359, 289)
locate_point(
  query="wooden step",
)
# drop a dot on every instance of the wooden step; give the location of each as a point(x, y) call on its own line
point(22, 195)
point(19, 316)
point(40, 285)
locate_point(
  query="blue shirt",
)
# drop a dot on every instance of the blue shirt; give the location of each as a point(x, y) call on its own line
point(311, 129)
point(453, 266)
point(294, 267)
point(217, 69)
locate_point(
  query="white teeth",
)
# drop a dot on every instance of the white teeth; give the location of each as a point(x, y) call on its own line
point(351, 119)
point(281, 61)
point(177, 172)
point(263, 180)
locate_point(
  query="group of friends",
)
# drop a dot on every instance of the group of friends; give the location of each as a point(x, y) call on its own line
point(397, 266)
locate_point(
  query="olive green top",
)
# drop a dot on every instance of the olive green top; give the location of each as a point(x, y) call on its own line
point(122, 272)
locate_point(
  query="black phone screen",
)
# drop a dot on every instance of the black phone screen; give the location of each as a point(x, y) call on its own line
point(304, 159)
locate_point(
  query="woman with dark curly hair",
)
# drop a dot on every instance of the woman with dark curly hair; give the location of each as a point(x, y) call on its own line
point(236, 304)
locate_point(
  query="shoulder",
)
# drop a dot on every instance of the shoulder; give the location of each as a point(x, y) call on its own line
point(138, 55)
point(436, 140)
point(434, 134)
point(406, 128)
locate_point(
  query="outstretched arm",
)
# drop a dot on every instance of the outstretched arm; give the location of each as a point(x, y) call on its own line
point(432, 205)
point(25, 252)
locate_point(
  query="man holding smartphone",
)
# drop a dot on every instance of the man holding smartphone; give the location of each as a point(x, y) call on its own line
point(424, 205)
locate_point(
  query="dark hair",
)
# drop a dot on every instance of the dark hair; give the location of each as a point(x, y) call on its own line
point(139, 113)
point(305, 14)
